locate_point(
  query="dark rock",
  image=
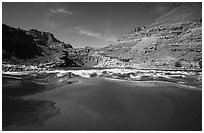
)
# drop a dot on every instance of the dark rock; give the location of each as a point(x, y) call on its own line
point(93, 75)
point(178, 64)
point(32, 47)
point(46, 38)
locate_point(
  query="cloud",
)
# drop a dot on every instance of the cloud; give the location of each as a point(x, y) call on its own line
point(55, 17)
point(111, 39)
point(61, 10)
point(86, 32)
point(106, 37)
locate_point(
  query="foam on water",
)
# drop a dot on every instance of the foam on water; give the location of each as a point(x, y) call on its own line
point(179, 77)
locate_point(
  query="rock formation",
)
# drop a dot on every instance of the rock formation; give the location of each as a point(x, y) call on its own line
point(165, 44)
point(31, 47)
point(173, 41)
point(157, 47)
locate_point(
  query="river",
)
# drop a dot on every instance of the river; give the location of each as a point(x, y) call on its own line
point(100, 103)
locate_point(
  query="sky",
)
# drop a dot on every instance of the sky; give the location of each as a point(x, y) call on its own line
point(82, 24)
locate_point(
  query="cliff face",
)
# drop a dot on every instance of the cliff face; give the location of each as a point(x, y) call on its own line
point(174, 46)
point(173, 41)
point(46, 39)
point(31, 47)
point(39, 48)
point(165, 44)
point(80, 55)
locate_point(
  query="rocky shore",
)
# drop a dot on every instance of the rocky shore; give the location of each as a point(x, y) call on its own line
point(18, 68)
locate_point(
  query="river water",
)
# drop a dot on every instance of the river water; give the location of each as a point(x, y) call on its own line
point(105, 100)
